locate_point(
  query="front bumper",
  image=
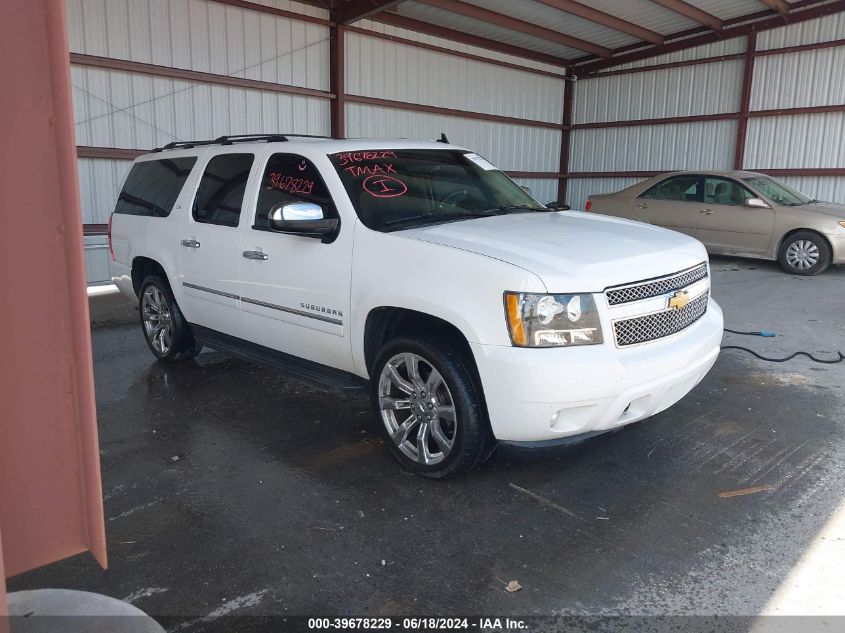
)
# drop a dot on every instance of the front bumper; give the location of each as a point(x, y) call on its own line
point(537, 395)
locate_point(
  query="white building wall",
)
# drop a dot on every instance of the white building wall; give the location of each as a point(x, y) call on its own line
point(125, 109)
point(702, 145)
point(811, 141)
point(509, 147)
point(670, 92)
point(791, 80)
point(205, 36)
point(388, 70)
point(134, 110)
point(139, 111)
point(798, 80)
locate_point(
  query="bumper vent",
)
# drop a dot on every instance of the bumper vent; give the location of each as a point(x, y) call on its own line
point(660, 324)
point(655, 287)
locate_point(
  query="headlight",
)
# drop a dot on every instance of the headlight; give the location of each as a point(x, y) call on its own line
point(537, 320)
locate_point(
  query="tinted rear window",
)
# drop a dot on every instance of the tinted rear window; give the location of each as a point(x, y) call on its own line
point(152, 186)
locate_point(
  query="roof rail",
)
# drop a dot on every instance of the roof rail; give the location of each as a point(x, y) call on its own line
point(236, 138)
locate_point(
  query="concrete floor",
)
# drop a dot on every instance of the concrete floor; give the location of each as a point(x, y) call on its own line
point(230, 489)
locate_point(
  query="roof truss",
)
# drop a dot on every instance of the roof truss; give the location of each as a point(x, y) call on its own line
point(507, 22)
point(781, 6)
point(605, 19)
point(693, 13)
point(354, 10)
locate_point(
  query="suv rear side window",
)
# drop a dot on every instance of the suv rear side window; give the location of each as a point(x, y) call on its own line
point(680, 188)
point(221, 191)
point(151, 188)
point(291, 178)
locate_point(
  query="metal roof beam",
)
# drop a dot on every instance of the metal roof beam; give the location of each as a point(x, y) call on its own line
point(781, 6)
point(354, 10)
point(814, 11)
point(446, 33)
point(693, 13)
point(514, 24)
point(605, 19)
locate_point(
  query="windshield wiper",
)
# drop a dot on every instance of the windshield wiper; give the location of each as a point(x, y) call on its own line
point(426, 218)
point(519, 207)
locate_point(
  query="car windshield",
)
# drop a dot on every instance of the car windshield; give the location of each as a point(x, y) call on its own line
point(399, 189)
point(778, 192)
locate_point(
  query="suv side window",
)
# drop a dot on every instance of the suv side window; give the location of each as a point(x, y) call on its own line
point(679, 188)
point(724, 191)
point(221, 190)
point(152, 186)
point(291, 178)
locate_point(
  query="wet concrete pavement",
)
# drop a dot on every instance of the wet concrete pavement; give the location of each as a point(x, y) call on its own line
point(230, 489)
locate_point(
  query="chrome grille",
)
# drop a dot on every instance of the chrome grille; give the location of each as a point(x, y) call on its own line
point(660, 324)
point(655, 287)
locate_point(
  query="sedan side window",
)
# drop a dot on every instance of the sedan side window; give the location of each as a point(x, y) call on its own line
point(723, 191)
point(679, 188)
point(291, 178)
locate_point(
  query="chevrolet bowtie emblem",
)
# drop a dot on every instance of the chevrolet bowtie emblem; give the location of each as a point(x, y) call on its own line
point(679, 300)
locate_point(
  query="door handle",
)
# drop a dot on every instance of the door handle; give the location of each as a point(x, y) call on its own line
point(256, 255)
point(191, 243)
point(707, 211)
point(643, 205)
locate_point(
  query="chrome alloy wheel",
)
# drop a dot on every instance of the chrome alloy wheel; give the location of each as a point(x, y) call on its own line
point(802, 254)
point(417, 409)
point(158, 324)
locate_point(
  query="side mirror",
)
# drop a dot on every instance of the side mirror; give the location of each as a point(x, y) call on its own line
point(302, 218)
point(756, 203)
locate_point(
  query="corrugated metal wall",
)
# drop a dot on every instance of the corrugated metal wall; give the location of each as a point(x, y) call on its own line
point(127, 109)
point(400, 72)
point(791, 80)
point(139, 111)
point(133, 110)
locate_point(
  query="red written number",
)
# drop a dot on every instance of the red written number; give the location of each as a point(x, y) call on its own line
point(357, 157)
point(291, 184)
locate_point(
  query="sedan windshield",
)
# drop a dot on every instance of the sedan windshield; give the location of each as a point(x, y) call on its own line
point(778, 192)
point(399, 189)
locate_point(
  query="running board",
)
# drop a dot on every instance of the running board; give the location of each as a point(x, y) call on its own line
point(293, 366)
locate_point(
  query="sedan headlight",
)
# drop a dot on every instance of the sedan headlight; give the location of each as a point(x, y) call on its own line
point(538, 320)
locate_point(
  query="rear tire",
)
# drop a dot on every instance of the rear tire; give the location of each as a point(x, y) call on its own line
point(805, 253)
point(431, 408)
point(165, 329)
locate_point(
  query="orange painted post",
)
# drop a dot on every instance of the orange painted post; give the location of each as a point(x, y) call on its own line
point(50, 491)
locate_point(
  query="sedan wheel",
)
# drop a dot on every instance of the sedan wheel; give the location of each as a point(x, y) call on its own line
point(417, 409)
point(805, 253)
point(802, 254)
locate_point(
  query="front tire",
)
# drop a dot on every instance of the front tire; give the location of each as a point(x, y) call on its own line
point(804, 253)
point(431, 407)
point(164, 327)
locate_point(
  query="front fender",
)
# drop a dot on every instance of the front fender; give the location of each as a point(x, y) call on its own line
point(462, 288)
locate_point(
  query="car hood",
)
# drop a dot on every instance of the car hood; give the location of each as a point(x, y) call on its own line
point(571, 251)
point(825, 208)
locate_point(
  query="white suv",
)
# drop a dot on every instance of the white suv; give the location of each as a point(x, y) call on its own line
point(476, 314)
